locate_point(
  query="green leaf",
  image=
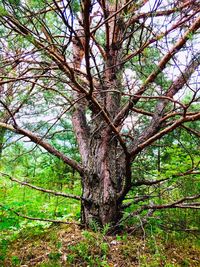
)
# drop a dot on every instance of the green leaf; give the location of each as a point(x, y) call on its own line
point(3, 12)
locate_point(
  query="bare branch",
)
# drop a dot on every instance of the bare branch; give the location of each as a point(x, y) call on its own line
point(158, 117)
point(161, 65)
point(37, 140)
point(161, 13)
point(61, 194)
point(38, 219)
point(177, 204)
point(166, 130)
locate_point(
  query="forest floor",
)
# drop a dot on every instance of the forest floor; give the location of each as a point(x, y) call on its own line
point(68, 245)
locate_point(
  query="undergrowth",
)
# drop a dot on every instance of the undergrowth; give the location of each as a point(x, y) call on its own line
point(50, 245)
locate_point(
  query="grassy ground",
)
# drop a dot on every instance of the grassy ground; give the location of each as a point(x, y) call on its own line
point(68, 245)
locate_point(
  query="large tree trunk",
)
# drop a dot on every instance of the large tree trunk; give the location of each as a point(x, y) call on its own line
point(101, 182)
point(106, 169)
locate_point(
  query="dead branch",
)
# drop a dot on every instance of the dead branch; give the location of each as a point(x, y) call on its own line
point(38, 219)
point(41, 189)
point(177, 204)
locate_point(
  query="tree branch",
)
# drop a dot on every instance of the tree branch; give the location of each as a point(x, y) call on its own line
point(65, 68)
point(195, 132)
point(160, 67)
point(159, 13)
point(86, 22)
point(136, 201)
point(38, 219)
point(37, 140)
point(177, 204)
point(168, 129)
point(157, 119)
point(61, 194)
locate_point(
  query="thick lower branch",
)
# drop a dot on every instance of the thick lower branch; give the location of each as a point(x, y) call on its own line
point(165, 131)
point(38, 140)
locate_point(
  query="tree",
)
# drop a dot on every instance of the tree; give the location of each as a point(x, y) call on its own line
point(124, 72)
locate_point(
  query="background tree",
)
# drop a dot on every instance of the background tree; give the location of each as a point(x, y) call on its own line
point(125, 73)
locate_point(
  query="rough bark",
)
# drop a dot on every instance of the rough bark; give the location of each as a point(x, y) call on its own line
point(102, 181)
point(2, 134)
